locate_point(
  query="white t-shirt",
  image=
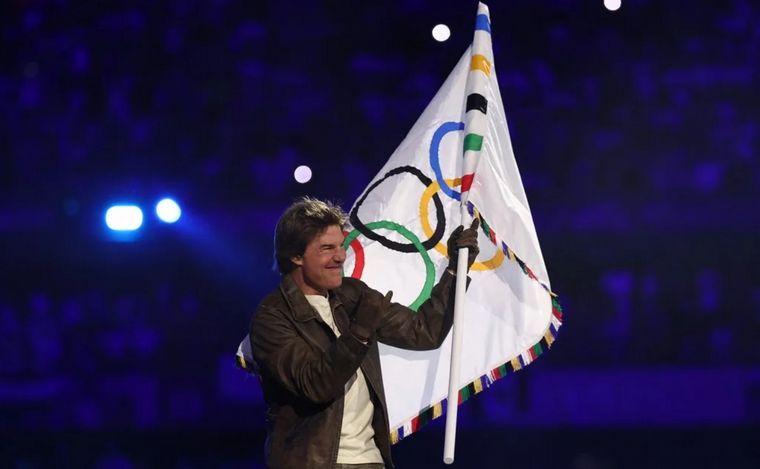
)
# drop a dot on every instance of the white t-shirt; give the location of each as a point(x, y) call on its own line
point(357, 443)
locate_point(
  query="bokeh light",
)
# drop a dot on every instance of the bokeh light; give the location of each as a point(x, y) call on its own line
point(168, 211)
point(612, 5)
point(302, 174)
point(124, 217)
point(441, 32)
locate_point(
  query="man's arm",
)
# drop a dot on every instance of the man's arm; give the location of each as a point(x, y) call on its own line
point(424, 329)
point(282, 354)
point(427, 329)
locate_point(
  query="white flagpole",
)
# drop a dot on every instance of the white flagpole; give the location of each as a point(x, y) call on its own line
point(482, 58)
point(452, 405)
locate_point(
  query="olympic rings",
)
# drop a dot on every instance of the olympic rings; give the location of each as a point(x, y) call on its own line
point(490, 264)
point(427, 287)
point(434, 236)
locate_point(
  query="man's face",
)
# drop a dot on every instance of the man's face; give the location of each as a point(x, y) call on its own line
point(322, 262)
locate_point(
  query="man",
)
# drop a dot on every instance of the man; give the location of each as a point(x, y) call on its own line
point(314, 341)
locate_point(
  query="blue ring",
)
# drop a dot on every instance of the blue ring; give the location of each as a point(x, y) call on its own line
point(435, 144)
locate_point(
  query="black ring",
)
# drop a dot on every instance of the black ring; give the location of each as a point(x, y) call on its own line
point(440, 226)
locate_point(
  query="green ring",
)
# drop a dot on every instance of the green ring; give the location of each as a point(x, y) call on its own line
point(427, 288)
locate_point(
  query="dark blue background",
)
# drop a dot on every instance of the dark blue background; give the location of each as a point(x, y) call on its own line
point(636, 133)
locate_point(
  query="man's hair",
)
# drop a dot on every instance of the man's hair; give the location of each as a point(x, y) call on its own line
point(306, 218)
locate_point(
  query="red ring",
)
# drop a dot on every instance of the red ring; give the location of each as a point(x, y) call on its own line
point(359, 259)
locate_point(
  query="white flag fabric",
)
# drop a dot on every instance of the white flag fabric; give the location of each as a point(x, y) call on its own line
point(397, 241)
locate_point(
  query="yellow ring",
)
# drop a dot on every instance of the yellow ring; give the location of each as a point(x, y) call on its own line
point(434, 187)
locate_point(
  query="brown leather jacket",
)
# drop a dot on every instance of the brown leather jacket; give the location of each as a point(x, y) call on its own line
point(304, 367)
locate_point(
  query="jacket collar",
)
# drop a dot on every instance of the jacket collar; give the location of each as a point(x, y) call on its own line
point(299, 307)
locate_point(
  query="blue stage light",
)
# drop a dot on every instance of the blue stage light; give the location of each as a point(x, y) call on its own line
point(168, 211)
point(124, 217)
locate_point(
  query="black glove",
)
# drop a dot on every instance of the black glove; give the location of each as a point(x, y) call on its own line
point(371, 309)
point(461, 238)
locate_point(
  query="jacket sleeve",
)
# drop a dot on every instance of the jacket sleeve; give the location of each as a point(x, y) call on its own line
point(425, 329)
point(282, 354)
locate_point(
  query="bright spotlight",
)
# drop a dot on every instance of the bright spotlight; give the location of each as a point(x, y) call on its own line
point(612, 5)
point(441, 32)
point(168, 211)
point(124, 217)
point(302, 174)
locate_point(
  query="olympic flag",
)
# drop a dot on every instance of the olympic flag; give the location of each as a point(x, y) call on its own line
point(399, 225)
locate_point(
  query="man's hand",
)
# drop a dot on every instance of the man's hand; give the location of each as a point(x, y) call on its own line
point(461, 238)
point(371, 309)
